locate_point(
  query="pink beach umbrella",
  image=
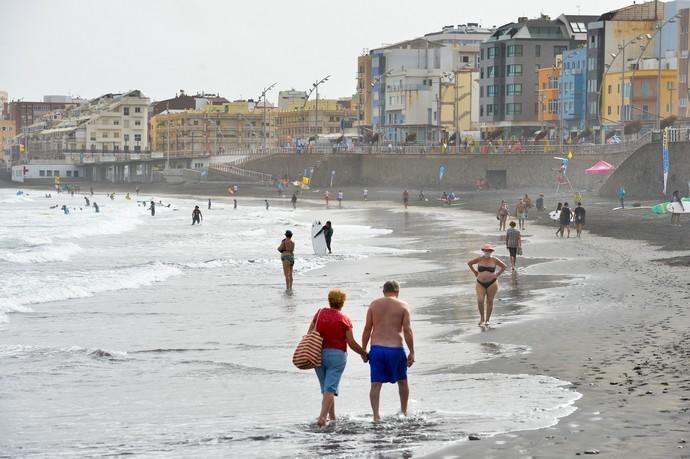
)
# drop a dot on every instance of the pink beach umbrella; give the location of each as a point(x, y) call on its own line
point(602, 167)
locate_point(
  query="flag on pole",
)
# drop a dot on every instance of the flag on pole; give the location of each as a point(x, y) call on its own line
point(666, 163)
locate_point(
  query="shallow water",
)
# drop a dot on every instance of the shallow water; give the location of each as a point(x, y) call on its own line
point(122, 333)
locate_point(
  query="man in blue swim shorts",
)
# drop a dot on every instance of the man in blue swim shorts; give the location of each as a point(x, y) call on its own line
point(387, 324)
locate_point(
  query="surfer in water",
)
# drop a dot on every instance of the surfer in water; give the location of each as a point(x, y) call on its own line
point(267, 205)
point(406, 198)
point(87, 201)
point(287, 257)
point(209, 203)
point(153, 208)
point(487, 281)
point(327, 234)
point(196, 215)
point(293, 200)
point(95, 206)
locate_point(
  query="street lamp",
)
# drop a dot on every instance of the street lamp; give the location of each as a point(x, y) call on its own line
point(263, 96)
point(315, 87)
point(659, 27)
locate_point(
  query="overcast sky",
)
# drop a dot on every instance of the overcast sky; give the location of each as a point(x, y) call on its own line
point(92, 47)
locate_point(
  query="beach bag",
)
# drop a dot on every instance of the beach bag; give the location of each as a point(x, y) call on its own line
point(307, 355)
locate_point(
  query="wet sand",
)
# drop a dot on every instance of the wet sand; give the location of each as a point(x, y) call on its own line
point(619, 334)
point(616, 327)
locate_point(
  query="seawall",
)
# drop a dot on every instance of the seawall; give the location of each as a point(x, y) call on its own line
point(513, 171)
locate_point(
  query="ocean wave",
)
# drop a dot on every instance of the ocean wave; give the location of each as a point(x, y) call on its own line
point(20, 290)
point(41, 254)
point(21, 351)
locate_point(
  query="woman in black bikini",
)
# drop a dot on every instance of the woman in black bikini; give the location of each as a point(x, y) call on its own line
point(487, 277)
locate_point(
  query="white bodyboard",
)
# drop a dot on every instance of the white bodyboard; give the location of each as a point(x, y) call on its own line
point(318, 243)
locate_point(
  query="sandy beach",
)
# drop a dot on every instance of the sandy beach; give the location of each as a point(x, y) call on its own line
point(608, 313)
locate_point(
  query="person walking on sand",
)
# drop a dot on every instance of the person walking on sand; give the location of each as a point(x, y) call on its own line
point(267, 205)
point(520, 211)
point(579, 219)
point(676, 203)
point(528, 205)
point(340, 198)
point(336, 330)
point(287, 257)
point(406, 198)
point(487, 281)
point(293, 200)
point(621, 196)
point(365, 194)
point(196, 216)
point(513, 244)
point(234, 203)
point(502, 215)
point(327, 197)
point(387, 324)
point(565, 219)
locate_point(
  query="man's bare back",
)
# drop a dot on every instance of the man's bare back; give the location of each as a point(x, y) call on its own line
point(387, 317)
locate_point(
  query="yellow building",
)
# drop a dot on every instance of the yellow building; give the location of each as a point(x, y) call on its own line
point(639, 100)
point(210, 131)
point(308, 121)
point(6, 132)
point(363, 95)
point(456, 103)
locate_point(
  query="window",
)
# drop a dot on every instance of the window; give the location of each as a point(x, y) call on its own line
point(537, 50)
point(481, 54)
point(137, 109)
point(69, 173)
point(125, 111)
point(116, 147)
point(137, 149)
point(56, 173)
point(42, 173)
point(491, 91)
point(126, 136)
point(514, 70)
point(669, 85)
point(481, 72)
point(514, 89)
point(137, 123)
point(492, 52)
point(104, 135)
point(116, 122)
point(491, 72)
point(559, 50)
point(196, 122)
point(481, 91)
point(76, 174)
point(137, 137)
point(553, 106)
point(514, 50)
point(513, 109)
point(481, 110)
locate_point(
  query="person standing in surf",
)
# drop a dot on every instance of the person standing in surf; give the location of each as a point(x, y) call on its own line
point(387, 324)
point(675, 203)
point(406, 198)
point(287, 257)
point(487, 281)
point(340, 198)
point(327, 197)
point(579, 219)
point(293, 200)
point(196, 216)
point(621, 196)
point(153, 208)
point(502, 215)
point(520, 212)
point(327, 234)
point(336, 330)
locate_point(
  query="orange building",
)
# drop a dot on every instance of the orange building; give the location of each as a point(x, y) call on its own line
point(548, 95)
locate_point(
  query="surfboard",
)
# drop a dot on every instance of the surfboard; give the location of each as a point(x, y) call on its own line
point(318, 243)
point(666, 207)
point(555, 215)
point(455, 203)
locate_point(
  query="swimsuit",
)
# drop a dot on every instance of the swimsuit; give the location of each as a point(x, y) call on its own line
point(289, 258)
point(388, 364)
point(489, 269)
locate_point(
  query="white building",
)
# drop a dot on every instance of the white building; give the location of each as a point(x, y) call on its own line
point(111, 123)
point(292, 98)
point(406, 79)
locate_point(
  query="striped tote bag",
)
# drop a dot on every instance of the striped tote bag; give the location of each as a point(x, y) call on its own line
point(308, 352)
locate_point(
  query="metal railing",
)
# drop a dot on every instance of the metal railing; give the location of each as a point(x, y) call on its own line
point(234, 170)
